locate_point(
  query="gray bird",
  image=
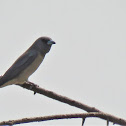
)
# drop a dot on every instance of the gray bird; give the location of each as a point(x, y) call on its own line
point(27, 63)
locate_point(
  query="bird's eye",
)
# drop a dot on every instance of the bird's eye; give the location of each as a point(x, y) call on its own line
point(45, 40)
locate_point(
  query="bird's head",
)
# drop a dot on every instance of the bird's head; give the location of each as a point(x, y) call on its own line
point(44, 44)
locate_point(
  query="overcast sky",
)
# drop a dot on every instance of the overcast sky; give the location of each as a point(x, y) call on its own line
point(88, 62)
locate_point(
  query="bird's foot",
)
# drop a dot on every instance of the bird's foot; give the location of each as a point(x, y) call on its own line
point(32, 85)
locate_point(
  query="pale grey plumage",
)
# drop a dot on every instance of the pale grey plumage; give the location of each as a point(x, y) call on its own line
point(27, 63)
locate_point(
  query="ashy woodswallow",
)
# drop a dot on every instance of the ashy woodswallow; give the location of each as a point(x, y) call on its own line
point(27, 63)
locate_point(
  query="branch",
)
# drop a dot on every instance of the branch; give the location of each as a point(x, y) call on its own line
point(50, 94)
point(31, 86)
point(54, 117)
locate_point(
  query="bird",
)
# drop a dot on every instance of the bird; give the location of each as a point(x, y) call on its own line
point(27, 63)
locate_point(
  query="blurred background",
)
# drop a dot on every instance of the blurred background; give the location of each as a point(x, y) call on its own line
point(88, 62)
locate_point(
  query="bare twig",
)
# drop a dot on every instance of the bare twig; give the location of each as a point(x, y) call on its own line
point(107, 122)
point(83, 121)
point(50, 94)
point(54, 117)
point(33, 87)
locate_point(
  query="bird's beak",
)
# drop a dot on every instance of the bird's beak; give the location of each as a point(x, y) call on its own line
point(51, 42)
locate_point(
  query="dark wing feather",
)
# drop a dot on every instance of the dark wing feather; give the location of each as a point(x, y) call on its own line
point(20, 64)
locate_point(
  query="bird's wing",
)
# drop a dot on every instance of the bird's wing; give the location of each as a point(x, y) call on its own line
point(20, 64)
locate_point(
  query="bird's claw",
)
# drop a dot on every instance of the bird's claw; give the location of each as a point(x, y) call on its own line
point(32, 85)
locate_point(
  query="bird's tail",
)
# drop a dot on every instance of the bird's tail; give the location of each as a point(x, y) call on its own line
point(2, 82)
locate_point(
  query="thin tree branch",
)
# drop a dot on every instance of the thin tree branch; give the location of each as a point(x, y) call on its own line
point(50, 94)
point(33, 87)
point(83, 121)
point(55, 117)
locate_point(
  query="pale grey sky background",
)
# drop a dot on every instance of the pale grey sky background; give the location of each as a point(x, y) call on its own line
point(88, 62)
